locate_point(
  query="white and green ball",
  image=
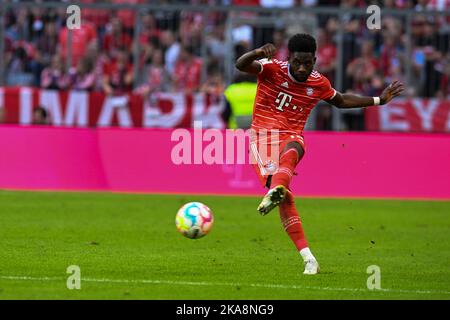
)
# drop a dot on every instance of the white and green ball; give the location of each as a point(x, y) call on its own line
point(194, 220)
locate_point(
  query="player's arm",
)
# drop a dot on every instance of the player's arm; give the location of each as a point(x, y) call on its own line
point(247, 63)
point(342, 100)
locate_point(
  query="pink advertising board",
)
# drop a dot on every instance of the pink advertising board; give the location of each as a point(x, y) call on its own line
point(368, 165)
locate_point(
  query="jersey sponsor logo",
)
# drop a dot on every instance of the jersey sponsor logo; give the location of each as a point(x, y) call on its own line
point(283, 100)
point(297, 107)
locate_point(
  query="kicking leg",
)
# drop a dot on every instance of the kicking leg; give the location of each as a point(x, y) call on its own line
point(291, 154)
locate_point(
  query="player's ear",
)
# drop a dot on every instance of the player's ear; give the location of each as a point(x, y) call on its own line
point(314, 59)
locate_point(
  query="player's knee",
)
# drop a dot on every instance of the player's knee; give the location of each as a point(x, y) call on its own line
point(297, 146)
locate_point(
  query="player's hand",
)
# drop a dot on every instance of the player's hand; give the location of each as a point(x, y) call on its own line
point(393, 90)
point(266, 51)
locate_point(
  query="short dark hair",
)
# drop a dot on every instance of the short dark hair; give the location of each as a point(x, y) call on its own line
point(302, 42)
point(41, 110)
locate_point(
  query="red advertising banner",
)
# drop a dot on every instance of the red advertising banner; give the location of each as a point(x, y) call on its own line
point(177, 110)
point(410, 115)
point(84, 109)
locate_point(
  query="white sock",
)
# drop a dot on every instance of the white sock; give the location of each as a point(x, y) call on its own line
point(307, 254)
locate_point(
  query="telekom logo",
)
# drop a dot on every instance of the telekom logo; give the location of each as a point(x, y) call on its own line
point(281, 100)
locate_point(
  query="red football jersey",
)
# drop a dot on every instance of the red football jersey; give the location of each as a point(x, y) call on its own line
point(282, 102)
point(81, 38)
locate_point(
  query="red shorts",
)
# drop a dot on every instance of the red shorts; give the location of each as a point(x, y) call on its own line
point(265, 154)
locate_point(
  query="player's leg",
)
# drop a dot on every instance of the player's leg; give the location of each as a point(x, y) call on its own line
point(290, 156)
point(293, 226)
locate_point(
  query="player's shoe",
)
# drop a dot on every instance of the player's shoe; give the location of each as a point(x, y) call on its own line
point(311, 267)
point(272, 199)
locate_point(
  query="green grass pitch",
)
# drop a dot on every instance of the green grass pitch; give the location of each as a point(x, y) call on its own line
point(127, 247)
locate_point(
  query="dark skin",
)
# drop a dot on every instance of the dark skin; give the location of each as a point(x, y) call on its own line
point(301, 65)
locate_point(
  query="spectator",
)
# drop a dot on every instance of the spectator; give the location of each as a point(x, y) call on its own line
point(215, 42)
point(443, 66)
point(443, 21)
point(362, 69)
point(214, 84)
point(172, 49)
point(18, 27)
point(428, 43)
point(81, 39)
point(146, 54)
point(83, 76)
point(157, 78)
point(116, 39)
point(99, 17)
point(298, 22)
point(166, 20)
point(150, 32)
point(118, 78)
point(391, 58)
point(242, 34)
point(353, 29)
point(149, 39)
point(36, 22)
point(55, 76)
point(326, 55)
point(47, 44)
point(20, 65)
point(279, 41)
point(326, 64)
point(323, 120)
point(126, 15)
point(40, 116)
point(187, 72)
point(99, 61)
point(191, 30)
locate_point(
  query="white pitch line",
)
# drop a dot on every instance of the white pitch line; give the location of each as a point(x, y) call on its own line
point(225, 284)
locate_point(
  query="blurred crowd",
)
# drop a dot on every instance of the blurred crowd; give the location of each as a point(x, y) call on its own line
point(185, 50)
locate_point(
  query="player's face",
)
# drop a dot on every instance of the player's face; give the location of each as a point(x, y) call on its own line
point(302, 64)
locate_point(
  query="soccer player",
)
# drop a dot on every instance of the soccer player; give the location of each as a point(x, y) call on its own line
point(287, 92)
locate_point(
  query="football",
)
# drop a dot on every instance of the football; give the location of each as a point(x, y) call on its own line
point(194, 220)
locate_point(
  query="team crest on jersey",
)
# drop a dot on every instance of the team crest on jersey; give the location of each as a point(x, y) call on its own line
point(309, 91)
point(270, 167)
